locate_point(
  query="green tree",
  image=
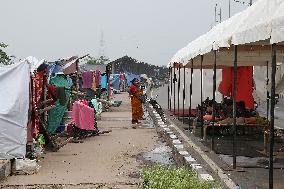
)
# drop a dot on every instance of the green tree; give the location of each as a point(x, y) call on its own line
point(4, 58)
point(97, 61)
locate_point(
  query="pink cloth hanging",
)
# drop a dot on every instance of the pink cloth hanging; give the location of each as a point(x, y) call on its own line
point(87, 78)
point(83, 116)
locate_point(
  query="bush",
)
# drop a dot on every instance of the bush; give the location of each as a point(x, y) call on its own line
point(162, 177)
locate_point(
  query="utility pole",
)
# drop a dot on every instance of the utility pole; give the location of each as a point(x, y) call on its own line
point(215, 13)
point(229, 8)
point(102, 45)
point(220, 14)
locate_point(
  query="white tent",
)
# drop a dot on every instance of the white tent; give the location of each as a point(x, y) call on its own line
point(14, 103)
point(253, 29)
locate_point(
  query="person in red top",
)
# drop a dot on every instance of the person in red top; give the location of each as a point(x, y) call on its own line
point(135, 94)
point(122, 81)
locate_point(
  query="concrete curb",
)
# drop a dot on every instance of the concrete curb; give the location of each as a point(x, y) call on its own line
point(5, 169)
point(181, 155)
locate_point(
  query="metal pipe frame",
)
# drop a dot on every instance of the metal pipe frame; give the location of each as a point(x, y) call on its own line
point(214, 99)
point(190, 94)
point(272, 106)
point(267, 92)
point(201, 96)
point(169, 90)
point(183, 95)
point(178, 89)
point(234, 106)
point(174, 89)
point(171, 68)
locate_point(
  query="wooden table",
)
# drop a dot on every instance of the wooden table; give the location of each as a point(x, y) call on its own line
point(265, 129)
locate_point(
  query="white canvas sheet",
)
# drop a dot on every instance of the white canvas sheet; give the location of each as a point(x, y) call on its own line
point(263, 20)
point(207, 87)
point(14, 105)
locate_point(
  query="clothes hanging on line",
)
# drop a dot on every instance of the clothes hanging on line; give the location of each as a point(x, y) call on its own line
point(83, 116)
point(244, 85)
point(104, 81)
point(87, 79)
point(98, 78)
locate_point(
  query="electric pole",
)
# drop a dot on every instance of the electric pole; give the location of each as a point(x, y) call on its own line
point(229, 8)
point(220, 14)
point(215, 8)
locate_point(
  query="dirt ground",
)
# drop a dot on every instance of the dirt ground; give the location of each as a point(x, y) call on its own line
point(107, 161)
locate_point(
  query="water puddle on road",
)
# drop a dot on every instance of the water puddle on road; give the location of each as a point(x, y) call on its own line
point(162, 155)
point(148, 122)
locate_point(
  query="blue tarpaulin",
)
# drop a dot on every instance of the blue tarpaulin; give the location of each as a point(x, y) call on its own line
point(54, 68)
point(115, 82)
point(130, 77)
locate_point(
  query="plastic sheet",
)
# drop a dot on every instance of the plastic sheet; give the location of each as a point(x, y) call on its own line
point(14, 103)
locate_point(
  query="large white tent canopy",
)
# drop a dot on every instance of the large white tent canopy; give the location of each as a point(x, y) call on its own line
point(253, 30)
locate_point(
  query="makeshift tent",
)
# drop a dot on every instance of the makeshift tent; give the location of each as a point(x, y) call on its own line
point(130, 76)
point(247, 39)
point(14, 103)
point(115, 81)
point(252, 29)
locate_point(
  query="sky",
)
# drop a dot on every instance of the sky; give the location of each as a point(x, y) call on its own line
point(148, 30)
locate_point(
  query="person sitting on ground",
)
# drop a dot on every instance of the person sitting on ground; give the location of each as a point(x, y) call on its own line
point(135, 94)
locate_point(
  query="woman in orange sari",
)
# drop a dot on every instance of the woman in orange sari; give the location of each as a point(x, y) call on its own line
point(135, 93)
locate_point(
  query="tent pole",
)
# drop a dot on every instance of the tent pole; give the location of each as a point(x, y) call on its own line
point(175, 89)
point(171, 69)
point(190, 94)
point(178, 88)
point(272, 106)
point(183, 94)
point(267, 91)
point(214, 99)
point(201, 95)
point(234, 105)
point(169, 88)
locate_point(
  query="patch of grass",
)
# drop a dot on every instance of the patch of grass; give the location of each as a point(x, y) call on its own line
point(162, 177)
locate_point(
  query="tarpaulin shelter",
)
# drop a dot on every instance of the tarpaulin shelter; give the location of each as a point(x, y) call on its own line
point(70, 65)
point(115, 81)
point(14, 103)
point(252, 37)
point(130, 76)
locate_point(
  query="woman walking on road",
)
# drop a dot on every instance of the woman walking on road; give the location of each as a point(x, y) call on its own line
point(136, 95)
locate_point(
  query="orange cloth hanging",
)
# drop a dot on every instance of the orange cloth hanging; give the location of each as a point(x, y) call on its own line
point(244, 84)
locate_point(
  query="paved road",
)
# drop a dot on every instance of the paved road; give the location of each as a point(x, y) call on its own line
point(107, 161)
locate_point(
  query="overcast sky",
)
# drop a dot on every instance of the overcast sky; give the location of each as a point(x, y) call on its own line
point(148, 30)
